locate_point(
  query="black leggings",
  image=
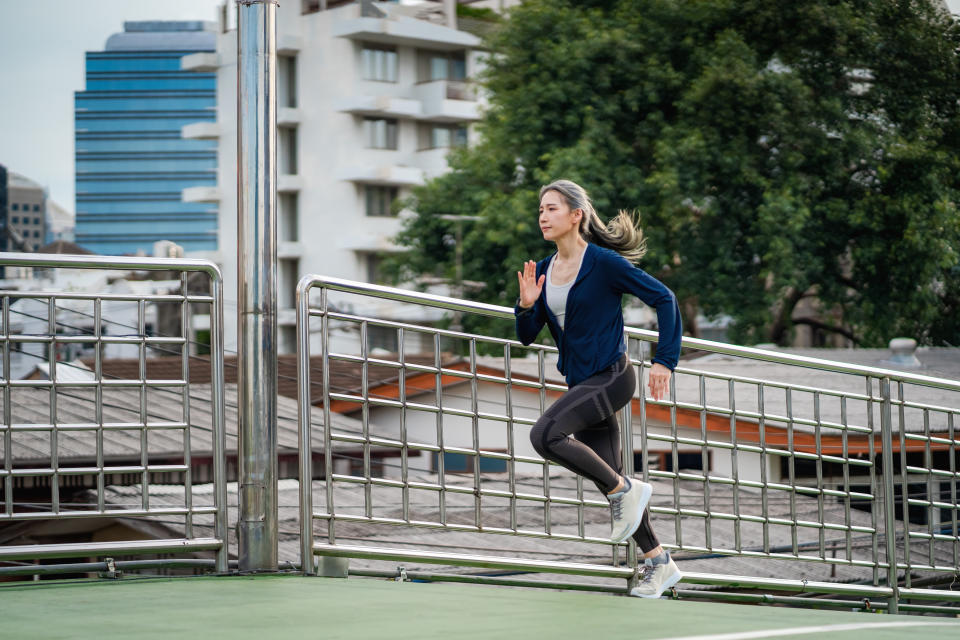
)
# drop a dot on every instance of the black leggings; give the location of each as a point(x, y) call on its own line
point(587, 412)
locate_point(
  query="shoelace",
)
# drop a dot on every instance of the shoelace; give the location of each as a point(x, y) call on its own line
point(648, 573)
point(616, 507)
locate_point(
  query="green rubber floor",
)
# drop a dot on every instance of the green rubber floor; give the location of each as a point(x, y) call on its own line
point(296, 607)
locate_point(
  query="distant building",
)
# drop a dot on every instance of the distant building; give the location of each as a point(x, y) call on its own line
point(131, 162)
point(371, 98)
point(23, 210)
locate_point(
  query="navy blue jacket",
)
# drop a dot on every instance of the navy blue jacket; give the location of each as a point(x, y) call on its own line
point(593, 339)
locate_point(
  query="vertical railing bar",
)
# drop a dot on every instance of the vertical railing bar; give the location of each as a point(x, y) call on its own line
point(889, 515)
point(327, 425)
point(705, 464)
point(847, 515)
point(441, 462)
point(542, 376)
point(674, 456)
point(142, 352)
point(305, 423)
point(734, 462)
point(218, 400)
point(643, 413)
point(874, 495)
point(185, 370)
point(952, 454)
point(764, 497)
point(404, 448)
point(98, 400)
point(904, 485)
point(511, 449)
point(626, 453)
point(791, 470)
point(932, 512)
point(475, 433)
point(365, 419)
point(819, 450)
point(54, 433)
point(7, 412)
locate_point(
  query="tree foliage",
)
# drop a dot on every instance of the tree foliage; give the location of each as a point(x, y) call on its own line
point(776, 152)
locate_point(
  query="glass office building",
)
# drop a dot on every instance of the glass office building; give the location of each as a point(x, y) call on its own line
point(131, 162)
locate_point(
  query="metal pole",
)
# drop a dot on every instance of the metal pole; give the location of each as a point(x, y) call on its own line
point(889, 512)
point(257, 282)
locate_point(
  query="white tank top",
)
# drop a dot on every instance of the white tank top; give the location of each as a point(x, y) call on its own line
point(557, 294)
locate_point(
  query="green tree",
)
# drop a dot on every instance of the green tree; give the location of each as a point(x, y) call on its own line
point(776, 152)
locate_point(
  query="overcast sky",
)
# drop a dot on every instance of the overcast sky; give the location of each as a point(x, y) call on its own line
point(42, 45)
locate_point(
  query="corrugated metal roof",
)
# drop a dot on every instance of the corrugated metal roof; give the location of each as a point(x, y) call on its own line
point(76, 406)
point(460, 509)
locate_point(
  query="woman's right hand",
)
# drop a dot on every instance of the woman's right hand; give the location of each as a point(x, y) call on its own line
point(530, 286)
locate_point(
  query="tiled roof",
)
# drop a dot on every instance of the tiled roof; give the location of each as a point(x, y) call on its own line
point(345, 377)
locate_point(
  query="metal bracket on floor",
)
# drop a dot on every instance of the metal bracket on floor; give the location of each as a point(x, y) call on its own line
point(332, 567)
point(112, 572)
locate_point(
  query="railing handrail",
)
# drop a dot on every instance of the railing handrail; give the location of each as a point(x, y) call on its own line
point(754, 353)
point(71, 261)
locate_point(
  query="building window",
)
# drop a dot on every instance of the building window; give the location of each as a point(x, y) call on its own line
point(36, 221)
point(379, 200)
point(442, 136)
point(384, 338)
point(287, 81)
point(15, 207)
point(289, 217)
point(374, 268)
point(463, 463)
point(441, 65)
point(379, 63)
point(36, 207)
point(380, 133)
point(16, 219)
point(36, 234)
point(287, 150)
point(287, 287)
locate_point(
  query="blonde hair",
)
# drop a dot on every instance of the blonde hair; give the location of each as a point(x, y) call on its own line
point(622, 234)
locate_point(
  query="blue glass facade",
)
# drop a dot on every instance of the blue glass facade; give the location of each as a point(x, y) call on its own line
point(131, 162)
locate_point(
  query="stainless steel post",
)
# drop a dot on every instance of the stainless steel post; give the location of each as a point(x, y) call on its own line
point(257, 282)
point(889, 509)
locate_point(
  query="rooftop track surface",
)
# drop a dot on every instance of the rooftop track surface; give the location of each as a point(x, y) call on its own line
point(290, 606)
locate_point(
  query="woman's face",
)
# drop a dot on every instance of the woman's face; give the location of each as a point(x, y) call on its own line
point(556, 218)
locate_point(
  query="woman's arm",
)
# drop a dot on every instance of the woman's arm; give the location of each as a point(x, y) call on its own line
point(627, 278)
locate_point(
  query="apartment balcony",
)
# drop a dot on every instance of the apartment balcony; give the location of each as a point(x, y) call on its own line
point(405, 31)
point(200, 131)
point(384, 175)
point(381, 106)
point(447, 101)
point(289, 249)
point(432, 161)
point(201, 194)
point(203, 62)
point(288, 44)
point(287, 183)
point(289, 117)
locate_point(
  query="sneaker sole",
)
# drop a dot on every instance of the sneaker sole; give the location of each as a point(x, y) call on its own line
point(641, 507)
point(672, 580)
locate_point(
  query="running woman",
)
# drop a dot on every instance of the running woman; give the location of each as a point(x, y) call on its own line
point(576, 292)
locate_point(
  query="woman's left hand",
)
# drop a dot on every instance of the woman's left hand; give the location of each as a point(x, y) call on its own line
point(659, 380)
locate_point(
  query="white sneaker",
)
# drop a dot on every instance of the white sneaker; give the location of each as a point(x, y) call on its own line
point(657, 579)
point(626, 509)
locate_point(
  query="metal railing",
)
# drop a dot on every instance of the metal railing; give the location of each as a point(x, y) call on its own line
point(76, 422)
point(830, 477)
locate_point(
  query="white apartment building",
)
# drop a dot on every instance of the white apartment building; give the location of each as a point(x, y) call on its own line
point(371, 98)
